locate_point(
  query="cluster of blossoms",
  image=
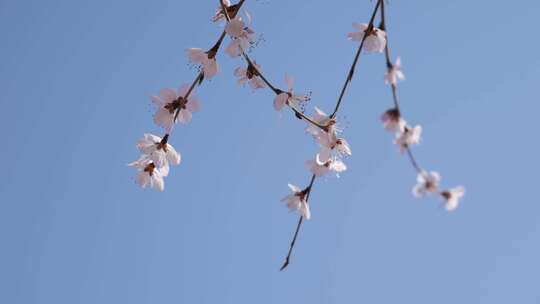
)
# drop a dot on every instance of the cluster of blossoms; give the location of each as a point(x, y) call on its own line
point(156, 153)
point(333, 148)
point(242, 37)
point(406, 136)
point(173, 106)
point(153, 164)
point(428, 183)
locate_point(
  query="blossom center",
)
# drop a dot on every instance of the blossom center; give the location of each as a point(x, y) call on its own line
point(150, 168)
point(162, 145)
point(180, 102)
point(251, 71)
point(446, 194)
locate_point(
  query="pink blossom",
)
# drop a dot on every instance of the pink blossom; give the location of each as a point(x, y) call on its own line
point(206, 60)
point(289, 98)
point(250, 75)
point(169, 102)
point(296, 201)
point(375, 40)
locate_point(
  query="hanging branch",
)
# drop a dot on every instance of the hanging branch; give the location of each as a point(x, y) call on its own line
point(157, 153)
point(427, 181)
point(338, 104)
point(212, 52)
point(153, 164)
point(393, 86)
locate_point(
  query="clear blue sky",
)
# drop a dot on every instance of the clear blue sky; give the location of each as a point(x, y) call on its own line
point(75, 82)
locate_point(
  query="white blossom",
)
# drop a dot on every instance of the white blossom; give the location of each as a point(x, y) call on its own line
point(242, 37)
point(338, 149)
point(321, 165)
point(289, 98)
point(207, 60)
point(427, 182)
point(392, 121)
point(296, 201)
point(342, 147)
point(158, 150)
point(375, 40)
point(452, 197)
point(149, 175)
point(394, 73)
point(250, 75)
point(169, 102)
point(235, 28)
point(409, 136)
point(322, 119)
point(327, 136)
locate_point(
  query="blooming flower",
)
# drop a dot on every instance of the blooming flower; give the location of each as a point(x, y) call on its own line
point(207, 60)
point(158, 150)
point(452, 197)
point(235, 28)
point(288, 98)
point(394, 73)
point(296, 201)
point(327, 137)
point(242, 37)
point(342, 147)
point(172, 107)
point(375, 40)
point(409, 136)
point(149, 174)
point(250, 75)
point(392, 121)
point(427, 182)
point(322, 119)
point(339, 148)
point(321, 166)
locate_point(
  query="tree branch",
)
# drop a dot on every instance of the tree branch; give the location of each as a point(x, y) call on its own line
point(355, 61)
point(300, 221)
point(389, 67)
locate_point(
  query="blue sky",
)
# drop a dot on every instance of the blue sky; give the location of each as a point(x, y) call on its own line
point(76, 78)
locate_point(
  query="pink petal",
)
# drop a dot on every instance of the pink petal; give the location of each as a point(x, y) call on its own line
point(280, 101)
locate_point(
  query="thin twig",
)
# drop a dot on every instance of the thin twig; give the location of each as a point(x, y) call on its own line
point(389, 67)
point(258, 73)
point(300, 221)
point(267, 82)
point(356, 57)
point(338, 103)
point(215, 48)
point(277, 91)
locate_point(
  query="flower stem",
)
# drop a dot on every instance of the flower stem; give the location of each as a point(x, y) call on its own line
point(355, 61)
point(389, 66)
point(271, 86)
point(215, 48)
point(300, 221)
point(338, 104)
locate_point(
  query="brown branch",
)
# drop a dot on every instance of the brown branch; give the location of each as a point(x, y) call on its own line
point(300, 221)
point(389, 67)
point(258, 73)
point(277, 91)
point(214, 49)
point(338, 103)
point(355, 61)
